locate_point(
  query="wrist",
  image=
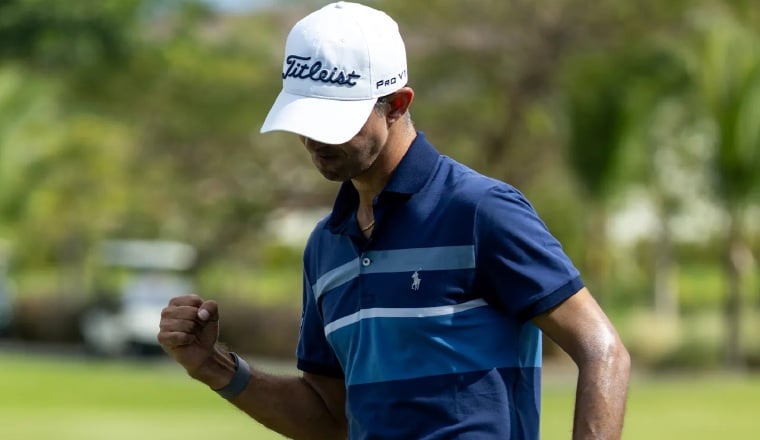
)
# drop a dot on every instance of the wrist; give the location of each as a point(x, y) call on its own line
point(218, 369)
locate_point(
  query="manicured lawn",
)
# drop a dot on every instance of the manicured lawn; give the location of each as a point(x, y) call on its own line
point(688, 406)
point(49, 398)
point(66, 399)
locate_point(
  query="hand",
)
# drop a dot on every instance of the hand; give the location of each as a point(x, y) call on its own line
point(188, 331)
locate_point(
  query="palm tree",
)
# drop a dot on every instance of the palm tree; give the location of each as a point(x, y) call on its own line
point(596, 126)
point(725, 69)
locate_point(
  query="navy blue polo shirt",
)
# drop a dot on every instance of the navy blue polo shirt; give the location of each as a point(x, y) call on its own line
point(428, 321)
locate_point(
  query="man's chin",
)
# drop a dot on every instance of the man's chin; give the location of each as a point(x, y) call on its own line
point(333, 176)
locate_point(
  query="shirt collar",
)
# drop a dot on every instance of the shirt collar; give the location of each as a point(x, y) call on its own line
point(408, 178)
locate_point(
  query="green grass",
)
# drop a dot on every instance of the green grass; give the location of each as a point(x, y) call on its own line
point(689, 406)
point(46, 398)
point(65, 399)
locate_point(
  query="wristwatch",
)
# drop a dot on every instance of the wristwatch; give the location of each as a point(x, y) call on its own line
point(239, 379)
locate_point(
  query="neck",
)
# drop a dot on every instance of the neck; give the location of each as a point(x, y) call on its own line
point(372, 182)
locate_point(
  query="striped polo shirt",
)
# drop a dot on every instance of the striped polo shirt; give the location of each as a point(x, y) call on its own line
point(428, 322)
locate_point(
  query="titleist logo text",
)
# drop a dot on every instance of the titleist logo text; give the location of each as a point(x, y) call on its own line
point(299, 67)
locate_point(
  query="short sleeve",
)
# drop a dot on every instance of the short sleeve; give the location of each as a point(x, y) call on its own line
point(521, 268)
point(314, 352)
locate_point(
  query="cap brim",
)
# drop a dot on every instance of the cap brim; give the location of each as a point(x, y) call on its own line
point(329, 121)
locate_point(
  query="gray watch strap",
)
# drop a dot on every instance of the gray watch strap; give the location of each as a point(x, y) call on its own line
point(239, 379)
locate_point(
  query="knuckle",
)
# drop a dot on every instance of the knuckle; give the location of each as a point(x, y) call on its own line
point(170, 339)
point(162, 338)
point(185, 300)
point(176, 325)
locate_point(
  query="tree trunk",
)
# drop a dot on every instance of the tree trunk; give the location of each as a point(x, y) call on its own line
point(665, 282)
point(732, 266)
point(71, 256)
point(597, 264)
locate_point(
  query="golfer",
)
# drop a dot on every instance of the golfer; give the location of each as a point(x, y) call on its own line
point(425, 290)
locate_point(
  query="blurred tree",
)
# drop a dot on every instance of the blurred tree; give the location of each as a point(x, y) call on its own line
point(205, 90)
point(144, 133)
point(54, 156)
point(596, 119)
point(139, 119)
point(610, 82)
point(57, 37)
point(654, 151)
point(724, 62)
point(488, 73)
point(483, 71)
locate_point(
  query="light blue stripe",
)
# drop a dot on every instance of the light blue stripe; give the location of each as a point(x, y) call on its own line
point(432, 258)
point(398, 312)
point(398, 260)
point(388, 349)
point(530, 336)
point(334, 278)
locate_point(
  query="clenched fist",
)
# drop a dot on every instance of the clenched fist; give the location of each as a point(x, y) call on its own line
point(188, 332)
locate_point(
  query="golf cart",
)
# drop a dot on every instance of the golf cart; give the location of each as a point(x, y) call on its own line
point(139, 278)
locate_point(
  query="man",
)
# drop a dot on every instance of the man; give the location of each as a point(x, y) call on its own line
point(424, 289)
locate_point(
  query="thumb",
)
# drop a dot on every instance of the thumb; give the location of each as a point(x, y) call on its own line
point(208, 317)
point(208, 311)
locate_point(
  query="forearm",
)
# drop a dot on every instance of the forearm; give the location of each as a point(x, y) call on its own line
point(289, 405)
point(601, 396)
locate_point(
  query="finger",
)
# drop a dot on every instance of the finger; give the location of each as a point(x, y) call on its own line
point(208, 311)
point(179, 312)
point(186, 300)
point(170, 340)
point(178, 325)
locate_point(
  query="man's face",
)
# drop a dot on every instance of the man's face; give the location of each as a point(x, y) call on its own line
point(343, 162)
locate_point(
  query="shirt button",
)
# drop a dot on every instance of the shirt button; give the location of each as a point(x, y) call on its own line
point(366, 261)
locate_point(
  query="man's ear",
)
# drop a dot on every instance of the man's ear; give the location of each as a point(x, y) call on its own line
point(399, 103)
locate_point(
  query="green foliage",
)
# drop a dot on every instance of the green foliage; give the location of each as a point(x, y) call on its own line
point(69, 164)
point(158, 146)
point(596, 118)
point(60, 36)
point(135, 119)
point(260, 284)
point(725, 64)
point(483, 72)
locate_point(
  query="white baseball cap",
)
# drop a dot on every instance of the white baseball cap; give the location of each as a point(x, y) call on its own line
point(338, 61)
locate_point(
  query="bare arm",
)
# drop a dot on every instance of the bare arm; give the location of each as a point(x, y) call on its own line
point(306, 407)
point(580, 328)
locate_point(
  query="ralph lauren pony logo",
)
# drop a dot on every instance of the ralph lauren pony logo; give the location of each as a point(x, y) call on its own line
point(301, 68)
point(416, 280)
